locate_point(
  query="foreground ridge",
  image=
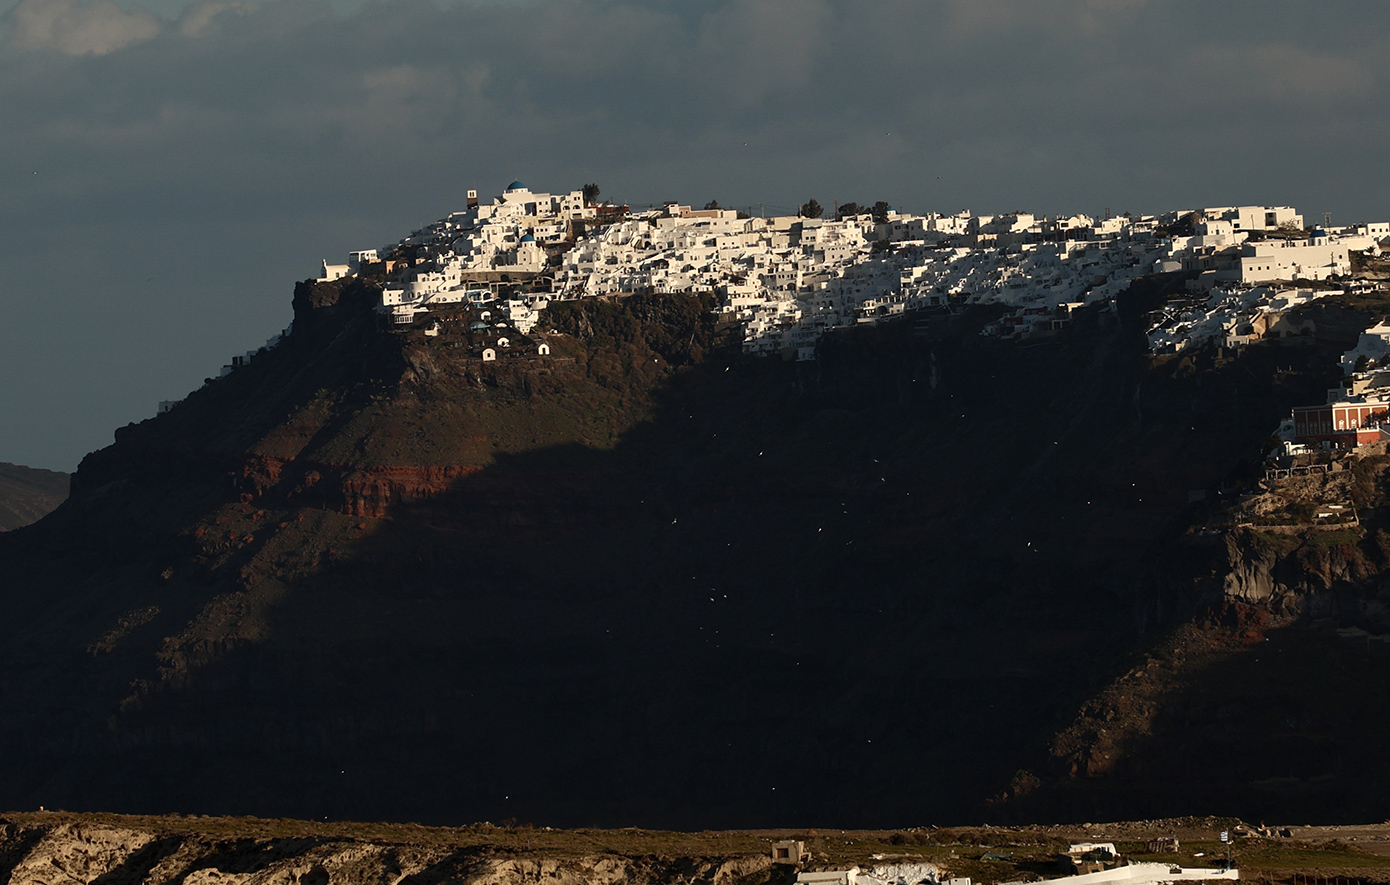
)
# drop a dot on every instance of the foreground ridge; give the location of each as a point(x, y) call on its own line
point(46, 848)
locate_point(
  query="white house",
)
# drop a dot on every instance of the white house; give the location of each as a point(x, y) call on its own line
point(361, 257)
point(1281, 260)
point(1376, 230)
point(526, 257)
point(518, 199)
point(1374, 345)
point(332, 272)
point(789, 851)
point(1248, 218)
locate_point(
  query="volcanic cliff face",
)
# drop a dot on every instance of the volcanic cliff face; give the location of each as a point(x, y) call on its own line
point(639, 578)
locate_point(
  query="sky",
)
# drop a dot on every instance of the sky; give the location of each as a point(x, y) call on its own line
point(170, 168)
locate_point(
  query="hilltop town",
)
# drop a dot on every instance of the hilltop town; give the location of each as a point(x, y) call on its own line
point(789, 279)
point(1250, 275)
point(1250, 272)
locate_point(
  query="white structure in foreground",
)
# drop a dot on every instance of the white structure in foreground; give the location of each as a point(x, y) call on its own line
point(920, 873)
point(917, 874)
point(1152, 874)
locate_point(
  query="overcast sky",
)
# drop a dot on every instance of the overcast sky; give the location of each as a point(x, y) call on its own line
point(170, 168)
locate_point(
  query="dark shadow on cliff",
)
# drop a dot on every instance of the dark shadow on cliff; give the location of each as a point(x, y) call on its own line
point(250, 856)
point(863, 591)
point(136, 867)
point(91, 593)
point(1275, 724)
point(16, 849)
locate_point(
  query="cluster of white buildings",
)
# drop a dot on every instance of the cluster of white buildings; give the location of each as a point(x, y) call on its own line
point(1233, 316)
point(1355, 413)
point(462, 258)
point(787, 280)
point(1222, 250)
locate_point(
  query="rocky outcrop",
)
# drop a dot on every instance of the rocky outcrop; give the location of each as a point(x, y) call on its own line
point(1250, 577)
point(1315, 571)
point(374, 491)
point(83, 853)
point(615, 870)
point(354, 491)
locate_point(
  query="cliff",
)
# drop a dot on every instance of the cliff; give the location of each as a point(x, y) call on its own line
point(1269, 698)
point(640, 577)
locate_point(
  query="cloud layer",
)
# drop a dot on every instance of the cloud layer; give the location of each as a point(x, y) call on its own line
point(237, 143)
point(75, 28)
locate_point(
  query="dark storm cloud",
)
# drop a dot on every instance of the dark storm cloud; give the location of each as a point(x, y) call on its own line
point(172, 173)
point(234, 101)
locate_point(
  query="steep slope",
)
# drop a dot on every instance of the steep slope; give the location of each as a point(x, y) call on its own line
point(638, 579)
point(27, 494)
point(1273, 703)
